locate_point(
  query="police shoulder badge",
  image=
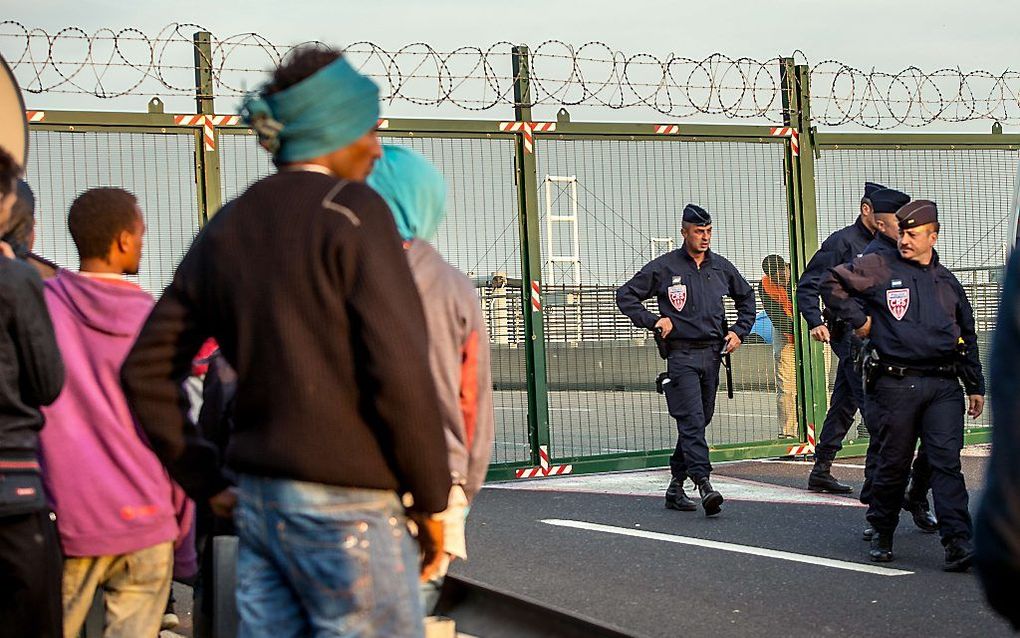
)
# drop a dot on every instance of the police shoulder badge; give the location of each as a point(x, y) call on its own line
point(677, 294)
point(898, 300)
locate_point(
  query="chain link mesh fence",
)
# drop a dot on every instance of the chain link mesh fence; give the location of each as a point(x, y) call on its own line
point(158, 168)
point(608, 206)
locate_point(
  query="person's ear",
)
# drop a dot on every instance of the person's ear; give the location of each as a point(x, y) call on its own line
point(125, 240)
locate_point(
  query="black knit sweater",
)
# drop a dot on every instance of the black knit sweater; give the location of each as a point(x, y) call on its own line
point(303, 282)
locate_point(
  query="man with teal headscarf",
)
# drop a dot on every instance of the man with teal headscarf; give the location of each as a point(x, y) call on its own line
point(458, 342)
point(303, 282)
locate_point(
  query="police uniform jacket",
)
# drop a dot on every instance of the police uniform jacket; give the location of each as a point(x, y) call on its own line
point(689, 296)
point(881, 243)
point(919, 314)
point(841, 247)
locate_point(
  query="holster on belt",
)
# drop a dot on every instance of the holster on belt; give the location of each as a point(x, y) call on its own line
point(867, 362)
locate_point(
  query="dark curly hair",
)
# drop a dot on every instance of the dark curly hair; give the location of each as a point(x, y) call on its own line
point(97, 217)
point(300, 64)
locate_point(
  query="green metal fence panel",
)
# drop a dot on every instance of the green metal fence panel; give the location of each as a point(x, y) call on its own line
point(159, 168)
point(608, 206)
point(972, 188)
point(480, 236)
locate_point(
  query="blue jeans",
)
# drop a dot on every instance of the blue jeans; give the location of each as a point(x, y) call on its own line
point(317, 560)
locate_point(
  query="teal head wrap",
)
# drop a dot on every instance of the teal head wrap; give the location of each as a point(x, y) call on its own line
point(326, 111)
point(413, 189)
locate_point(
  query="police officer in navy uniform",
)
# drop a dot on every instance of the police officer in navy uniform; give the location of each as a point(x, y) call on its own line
point(841, 247)
point(921, 328)
point(886, 203)
point(689, 284)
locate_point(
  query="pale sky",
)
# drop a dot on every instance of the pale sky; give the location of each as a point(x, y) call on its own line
point(886, 35)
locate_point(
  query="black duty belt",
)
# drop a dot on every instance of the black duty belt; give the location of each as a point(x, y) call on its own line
point(948, 371)
point(684, 344)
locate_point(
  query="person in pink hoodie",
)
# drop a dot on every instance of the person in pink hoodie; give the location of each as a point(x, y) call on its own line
point(114, 501)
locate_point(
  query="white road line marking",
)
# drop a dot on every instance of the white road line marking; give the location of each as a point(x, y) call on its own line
point(785, 462)
point(731, 547)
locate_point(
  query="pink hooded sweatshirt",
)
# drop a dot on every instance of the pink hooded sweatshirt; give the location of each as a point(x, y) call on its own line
point(109, 491)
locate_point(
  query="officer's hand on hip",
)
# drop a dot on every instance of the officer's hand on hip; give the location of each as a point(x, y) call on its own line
point(820, 333)
point(864, 330)
point(977, 405)
point(732, 342)
point(6, 250)
point(665, 326)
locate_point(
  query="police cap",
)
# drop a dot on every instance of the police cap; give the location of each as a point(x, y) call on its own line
point(871, 187)
point(917, 213)
point(888, 200)
point(694, 214)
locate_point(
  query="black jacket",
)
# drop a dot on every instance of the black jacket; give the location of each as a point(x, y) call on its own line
point(304, 283)
point(919, 314)
point(31, 370)
point(841, 247)
point(691, 297)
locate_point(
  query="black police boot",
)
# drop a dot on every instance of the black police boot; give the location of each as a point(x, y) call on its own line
point(868, 533)
point(821, 480)
point(921, 513)
point(711, 501)
point(881, 547)
point(959, 556)
point(677, 499)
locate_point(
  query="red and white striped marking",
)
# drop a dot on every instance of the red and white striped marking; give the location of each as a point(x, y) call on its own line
point(527, 129)
point(536, 296)
point(790, 132)
point(667, 129)
point(383, 124)
point(804, 448)
point(35, 116)
point(208, 124)
point(545, 468)
point(189, 120)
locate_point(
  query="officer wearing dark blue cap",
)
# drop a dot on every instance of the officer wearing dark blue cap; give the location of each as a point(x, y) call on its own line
point(921, 328)
point(847, 396)
point(885, 202)
point(689, 284)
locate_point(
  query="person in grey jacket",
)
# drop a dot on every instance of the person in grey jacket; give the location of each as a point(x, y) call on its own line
point(458, 343)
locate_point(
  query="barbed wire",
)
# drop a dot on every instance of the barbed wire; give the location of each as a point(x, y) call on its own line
point(112, 64)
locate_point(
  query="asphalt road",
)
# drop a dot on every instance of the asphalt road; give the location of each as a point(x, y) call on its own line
point(659, 587)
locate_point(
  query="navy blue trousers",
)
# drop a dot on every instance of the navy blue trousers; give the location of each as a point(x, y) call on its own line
point(930, 409)
point(690, 399)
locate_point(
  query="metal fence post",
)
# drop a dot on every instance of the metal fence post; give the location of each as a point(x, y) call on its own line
point(811, 378)
point(207, 158)
point(531, 261)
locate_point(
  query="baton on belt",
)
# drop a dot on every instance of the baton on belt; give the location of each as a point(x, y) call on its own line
point(727, 362)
